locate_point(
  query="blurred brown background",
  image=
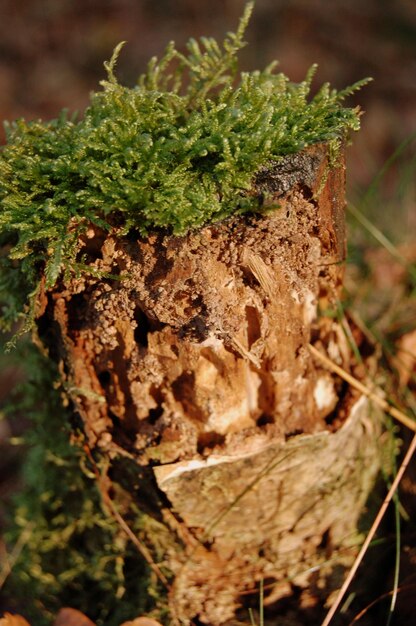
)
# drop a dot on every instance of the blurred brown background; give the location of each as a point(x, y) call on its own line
point(51, 53)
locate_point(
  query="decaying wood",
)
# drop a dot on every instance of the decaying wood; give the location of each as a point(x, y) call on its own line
point(190, 356)
point(285, 498)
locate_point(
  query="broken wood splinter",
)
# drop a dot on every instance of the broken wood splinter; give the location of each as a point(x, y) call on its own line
point(383, 404)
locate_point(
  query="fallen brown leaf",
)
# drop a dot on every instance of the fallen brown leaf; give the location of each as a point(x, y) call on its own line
point(142, 621)
point(71, 617)
point(13, 620)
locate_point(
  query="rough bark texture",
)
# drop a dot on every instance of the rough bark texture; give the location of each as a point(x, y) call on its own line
point(194, 361)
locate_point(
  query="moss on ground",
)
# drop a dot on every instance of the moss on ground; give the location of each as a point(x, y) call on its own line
point(74, 553)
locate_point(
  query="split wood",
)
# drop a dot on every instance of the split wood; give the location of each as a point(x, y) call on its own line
point(383, 404)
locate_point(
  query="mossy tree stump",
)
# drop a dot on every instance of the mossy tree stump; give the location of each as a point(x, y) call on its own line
point(179, 248)
point(187, 359)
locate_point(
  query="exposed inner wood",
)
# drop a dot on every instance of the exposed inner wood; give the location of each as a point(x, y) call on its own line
point(189, 354)
point(202, 338)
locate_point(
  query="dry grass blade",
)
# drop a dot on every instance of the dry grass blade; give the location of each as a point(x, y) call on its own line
point(135, 541)
point(379, 599)
point(10, 560)
point(382, 239)
point(371, 533)
point(103, 485)
point(383, 404)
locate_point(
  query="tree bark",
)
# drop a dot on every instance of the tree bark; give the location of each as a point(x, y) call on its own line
point(188, 356)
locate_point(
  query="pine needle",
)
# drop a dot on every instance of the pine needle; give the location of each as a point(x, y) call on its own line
point(383, 404)
point(371, 533)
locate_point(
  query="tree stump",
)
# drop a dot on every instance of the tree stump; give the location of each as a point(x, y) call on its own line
point(187, 359)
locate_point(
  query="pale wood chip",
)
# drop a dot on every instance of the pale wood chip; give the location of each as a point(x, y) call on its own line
point(245, 353)
point(261, 271)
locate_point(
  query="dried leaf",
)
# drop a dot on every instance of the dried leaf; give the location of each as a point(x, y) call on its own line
point(72, 617)
point(13, 620)
point(142, 621)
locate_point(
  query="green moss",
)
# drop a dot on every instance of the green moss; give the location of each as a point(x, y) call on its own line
point(176, 151)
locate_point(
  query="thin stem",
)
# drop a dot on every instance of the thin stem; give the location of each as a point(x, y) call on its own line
point(382, 239)
point(103, 486)
point(397, 561)
point(371, 533)
point(383, 404)
point(9, 561)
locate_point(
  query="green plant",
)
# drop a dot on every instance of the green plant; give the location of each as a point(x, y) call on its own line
point(177, 151)
point(73, 554)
